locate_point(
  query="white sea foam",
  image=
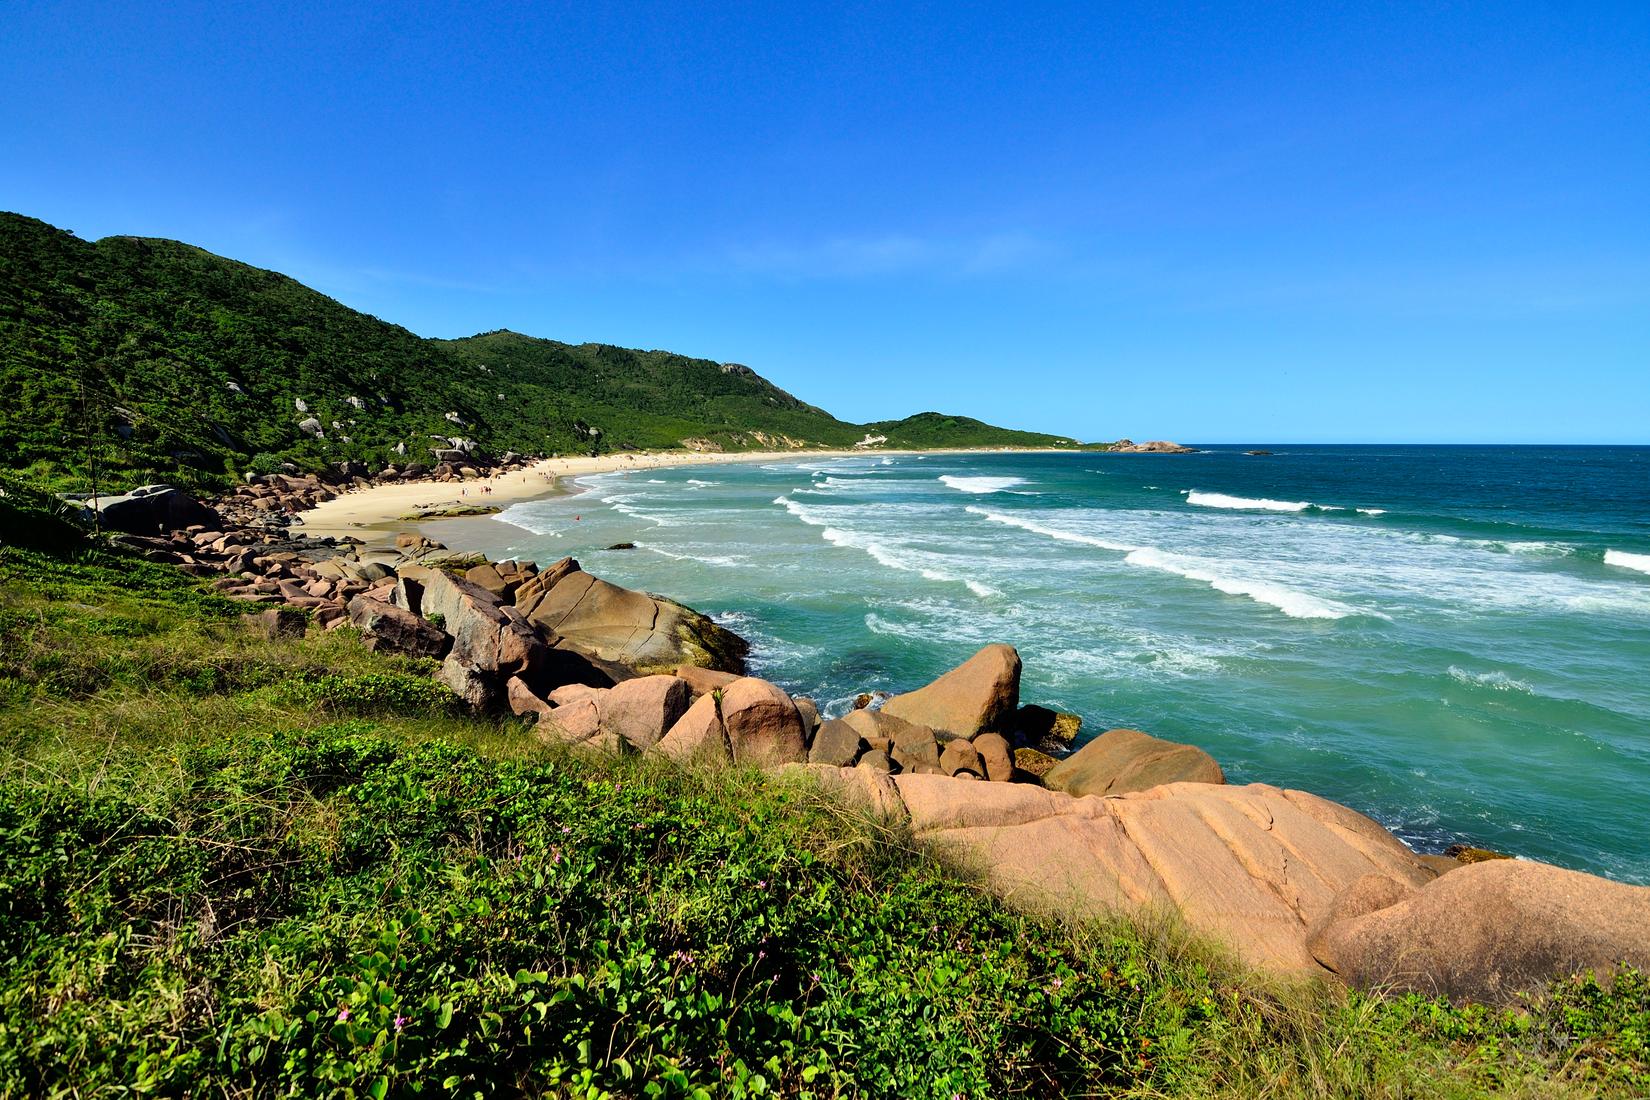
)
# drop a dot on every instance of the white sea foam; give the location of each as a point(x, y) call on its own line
point(1638, 562)
point(981, 484)
point(1049, 532)
point(1494, 679)
point(697, 484)
point(620, 503)
point(1221, 500)
point(906, 561)
point(707, 559)
point(1298, 605)
point(1373, 511)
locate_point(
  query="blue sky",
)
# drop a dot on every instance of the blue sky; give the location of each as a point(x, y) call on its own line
point(1399, 222)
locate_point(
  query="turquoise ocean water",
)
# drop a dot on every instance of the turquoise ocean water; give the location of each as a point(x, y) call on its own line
point(1454, 640)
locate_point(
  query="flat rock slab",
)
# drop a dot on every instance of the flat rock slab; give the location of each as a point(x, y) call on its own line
point(1121, 761)
point(1254, 867)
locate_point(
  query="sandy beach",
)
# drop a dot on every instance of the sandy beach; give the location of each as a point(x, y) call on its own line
point(379, 512)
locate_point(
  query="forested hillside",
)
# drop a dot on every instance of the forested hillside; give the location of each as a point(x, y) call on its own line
point(158, 359)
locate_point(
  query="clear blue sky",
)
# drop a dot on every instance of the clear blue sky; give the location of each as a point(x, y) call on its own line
point(1206, 222)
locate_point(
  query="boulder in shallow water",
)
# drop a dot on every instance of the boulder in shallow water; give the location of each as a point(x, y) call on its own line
point(1120, 761)
point(978, 695)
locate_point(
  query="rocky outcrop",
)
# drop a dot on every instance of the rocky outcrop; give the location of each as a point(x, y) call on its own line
point(1485, 931)
point(1152, 447)
point(154, 510)
point(620, 627)
point(1120, 761)
point(763, 725)
point(486, 635)
point(1254, 867)
point(389, 629)
point(978, 695)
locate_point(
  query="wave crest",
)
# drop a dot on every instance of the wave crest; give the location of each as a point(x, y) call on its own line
point(1637, 562)
point(1222, 500)
point(981, 484)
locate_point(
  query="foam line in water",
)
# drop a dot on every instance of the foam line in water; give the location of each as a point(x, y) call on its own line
point(1638, 562)
point(1049, 532)
point(981, 484)
point(1495, 680)
point(1297, 605)
point(1221, 500)
point(707, 559)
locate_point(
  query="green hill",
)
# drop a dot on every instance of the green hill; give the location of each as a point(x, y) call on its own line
point(168, 361)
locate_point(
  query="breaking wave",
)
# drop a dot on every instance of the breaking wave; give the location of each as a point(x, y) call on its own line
point(981, 484)
point(1297, 605)
point(1638, 562)
point(906, 561)
point(1049, 532)
point(1221, 500)
point(1494, 679)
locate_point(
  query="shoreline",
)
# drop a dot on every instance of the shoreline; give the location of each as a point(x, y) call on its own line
point(378, 514)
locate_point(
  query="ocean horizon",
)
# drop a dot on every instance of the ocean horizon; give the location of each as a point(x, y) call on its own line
point(1451, 639)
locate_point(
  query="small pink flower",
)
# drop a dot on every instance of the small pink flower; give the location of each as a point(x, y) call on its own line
point(762, 885)
point(400, 1022)
point(566, 829)
point(343, 1014)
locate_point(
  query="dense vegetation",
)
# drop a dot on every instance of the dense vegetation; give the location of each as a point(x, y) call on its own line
point(161, 359)
point(236, 865)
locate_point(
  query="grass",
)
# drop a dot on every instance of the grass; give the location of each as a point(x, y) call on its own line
point(238, 866)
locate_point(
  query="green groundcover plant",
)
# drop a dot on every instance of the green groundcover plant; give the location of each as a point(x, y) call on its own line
point(238, 866)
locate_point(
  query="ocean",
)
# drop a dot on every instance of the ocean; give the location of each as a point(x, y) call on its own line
point(1453, 640)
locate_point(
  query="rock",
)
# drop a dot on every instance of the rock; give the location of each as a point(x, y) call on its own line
point(911, 747)
point(875, 760)
point(1259, 454)
point(1254, 867)
point(976, 696)
point(413, 541)
point(762, 724)
point(1466, 853)
point(1154, 447)
point(810, 715)
point(487, 577)
point(522, 701)
point(572, 693)
point(578, 723)
point(995, 757)
point(633, 630)
point(494, 639)
point(1487, 931)
point(622, 546)
point(960, 757)
point(154, 510)
point(703, 681)
point(1119, 761)
point(1034, 762)
point(866, 698)
point(386, 628)
point(642, 710)
point(478, 687)
point(835, 743)
point(698, 738)
point(1049, 730)
point(864, 789)
point(280, 622)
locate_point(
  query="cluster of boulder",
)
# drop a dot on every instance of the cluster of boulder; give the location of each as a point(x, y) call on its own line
point(1151, 447)
point(1127, 823)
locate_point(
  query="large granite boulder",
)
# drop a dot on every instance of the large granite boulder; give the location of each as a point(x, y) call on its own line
point(911, 747)
point(835, 743)
point(386, 628)
point(978, 695)
point(492, 637)
point(763, 726)
point(1484, 931)
point(630, 630)
point(703, 681)
point(154, 510)
point(1120, 761)
point(1253, 867)
point(698, 738)
point(642, 710)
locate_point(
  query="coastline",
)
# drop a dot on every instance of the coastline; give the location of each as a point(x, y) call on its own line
point(378, 514)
